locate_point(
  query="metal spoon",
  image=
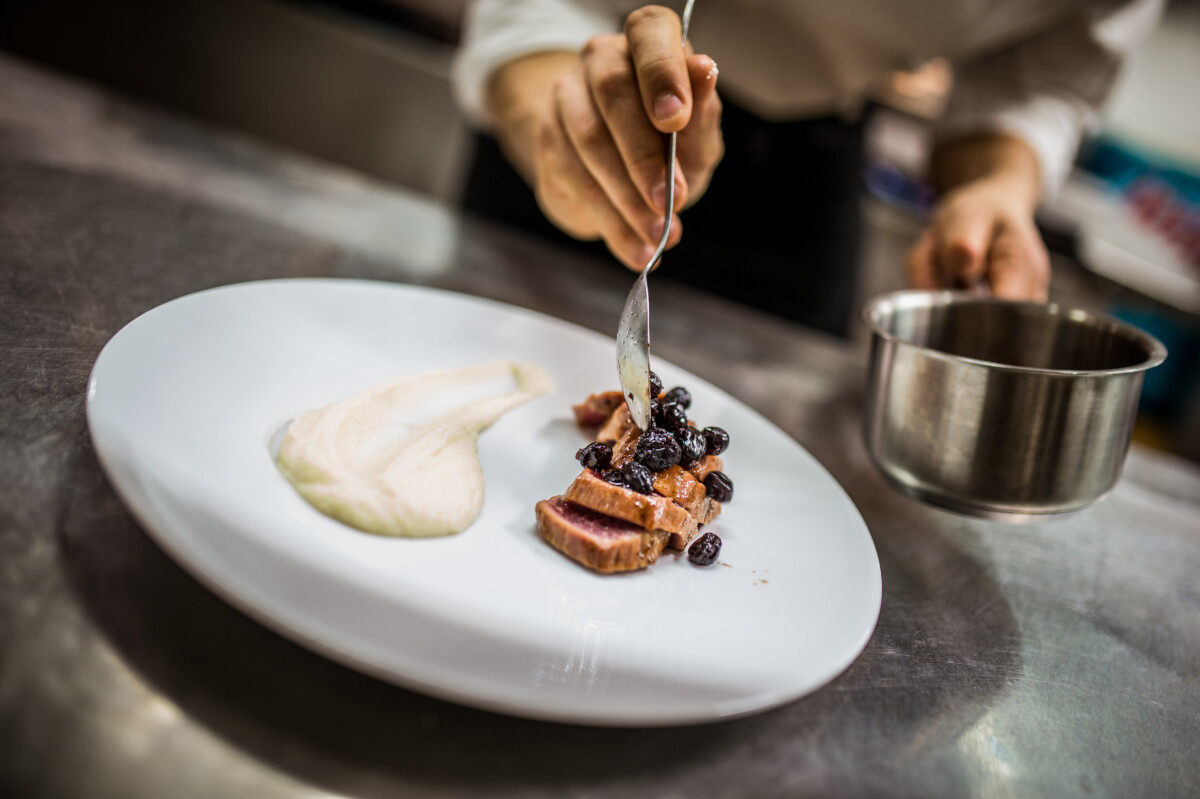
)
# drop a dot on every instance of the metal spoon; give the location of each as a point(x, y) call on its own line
point(633, 333)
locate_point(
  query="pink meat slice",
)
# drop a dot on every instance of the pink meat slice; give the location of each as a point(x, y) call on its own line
point(599, 542)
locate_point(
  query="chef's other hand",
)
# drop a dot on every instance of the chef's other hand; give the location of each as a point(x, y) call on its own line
point(983, 233)
point(586, 131)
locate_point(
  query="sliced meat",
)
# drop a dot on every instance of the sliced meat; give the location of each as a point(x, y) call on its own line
point(625, 446)
point(619, 423)
point(599, 542)
point(709, 510)
point(687, 492)
point(597, 408)
point(679, 486)
point(680, 541)
point(648, 511)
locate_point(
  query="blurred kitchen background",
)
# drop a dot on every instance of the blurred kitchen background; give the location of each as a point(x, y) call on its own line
point(365, 84)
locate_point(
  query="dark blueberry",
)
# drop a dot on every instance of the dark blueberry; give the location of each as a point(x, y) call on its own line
point(705, 549)
point(657, 449)
point(655, 412)
point(595, 456)
point(680, 396)
point(638, 477)
point(656, 385)
point(719, 486)
point(615, 477)
point(718, 440)
point(672, 416)
point(692, 442)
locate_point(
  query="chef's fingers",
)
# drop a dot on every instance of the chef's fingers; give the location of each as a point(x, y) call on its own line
point(613, 87)
point(589, 134)
point(1019, 266)
point(964, 236)
point(673, 239)
point(572, 199)
point(700, 146)
point(676, 232)
point(638, 258)
point(922, 273)
point(653, 33)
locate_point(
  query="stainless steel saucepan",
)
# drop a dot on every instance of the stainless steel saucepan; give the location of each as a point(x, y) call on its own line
point(1011, 410)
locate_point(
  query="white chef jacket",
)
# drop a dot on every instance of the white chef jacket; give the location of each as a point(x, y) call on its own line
point(1036, 69)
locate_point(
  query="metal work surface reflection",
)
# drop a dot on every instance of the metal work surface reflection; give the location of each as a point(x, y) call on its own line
point(1060, 659)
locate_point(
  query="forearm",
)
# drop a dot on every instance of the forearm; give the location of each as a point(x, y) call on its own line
point(519, 95)
point(1004, 161)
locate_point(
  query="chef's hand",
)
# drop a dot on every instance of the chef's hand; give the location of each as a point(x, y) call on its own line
point(586, 131)
point(983, 233)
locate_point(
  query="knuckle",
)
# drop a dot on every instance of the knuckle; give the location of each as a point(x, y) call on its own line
point(961, 247)
point(609, 85)
point(647, 165)
point(590, 134)
point(658, 68)
point(1018, 252)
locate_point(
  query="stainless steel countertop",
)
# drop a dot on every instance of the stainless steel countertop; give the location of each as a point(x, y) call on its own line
point(1059, 659)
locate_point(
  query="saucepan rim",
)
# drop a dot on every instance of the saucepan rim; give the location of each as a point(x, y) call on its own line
point(909, 299)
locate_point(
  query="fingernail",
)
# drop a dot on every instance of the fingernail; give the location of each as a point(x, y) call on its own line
point(667, 106)
point(646, 254)
point(659, 195)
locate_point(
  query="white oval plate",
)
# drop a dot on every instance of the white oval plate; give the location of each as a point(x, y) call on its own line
point(185, 403)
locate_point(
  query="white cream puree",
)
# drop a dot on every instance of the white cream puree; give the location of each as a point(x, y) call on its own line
point(400, 458)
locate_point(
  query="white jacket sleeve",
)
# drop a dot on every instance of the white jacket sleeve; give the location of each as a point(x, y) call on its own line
point(497, 31)
point(1047, 89)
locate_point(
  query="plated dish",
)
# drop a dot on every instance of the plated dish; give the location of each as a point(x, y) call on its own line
point(640, 491)
point(187, 406)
